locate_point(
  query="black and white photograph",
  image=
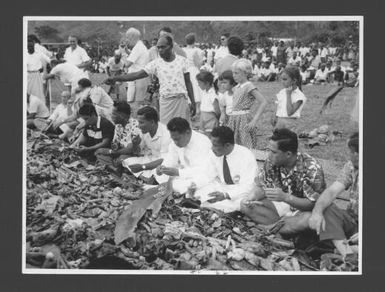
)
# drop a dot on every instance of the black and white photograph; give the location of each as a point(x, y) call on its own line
point(193, 145)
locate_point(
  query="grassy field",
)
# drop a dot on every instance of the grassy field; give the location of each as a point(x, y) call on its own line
point(333, 155)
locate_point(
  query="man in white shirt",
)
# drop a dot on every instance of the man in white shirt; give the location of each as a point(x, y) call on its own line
point(322, 74)
point(222, 51)
point(267, 72)
point(60, 114)
point(153, 146)
point(77, 55)
point(136, 61)
point(323, 52)
point(68, 73)
point(188, 157)
point(174, 81)
point(273, 50)
point(295, 60)
point(234, 169)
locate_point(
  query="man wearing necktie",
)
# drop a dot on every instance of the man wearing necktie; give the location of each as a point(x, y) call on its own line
point(234, 169)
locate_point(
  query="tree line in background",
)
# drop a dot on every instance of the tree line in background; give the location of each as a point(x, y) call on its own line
point(336, 33)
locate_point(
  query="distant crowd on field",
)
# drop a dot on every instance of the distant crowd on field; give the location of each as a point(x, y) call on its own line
point(171, 84)
point(268, 60)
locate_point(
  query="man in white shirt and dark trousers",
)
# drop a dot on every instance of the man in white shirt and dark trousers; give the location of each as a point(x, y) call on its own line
point(233, 171)
point(188, 157)
point(153, 147)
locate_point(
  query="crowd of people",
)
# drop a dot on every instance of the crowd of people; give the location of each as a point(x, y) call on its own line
point(214, 166)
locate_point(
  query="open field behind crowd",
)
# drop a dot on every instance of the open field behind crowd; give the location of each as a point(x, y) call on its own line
point(332, 156)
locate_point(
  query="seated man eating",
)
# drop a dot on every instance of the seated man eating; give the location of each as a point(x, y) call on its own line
point(287, 186)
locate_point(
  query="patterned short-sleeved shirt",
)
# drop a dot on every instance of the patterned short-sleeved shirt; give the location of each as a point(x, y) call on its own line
point(349, 178)
point(170, 75)
point(304, 180)
point(122, 136)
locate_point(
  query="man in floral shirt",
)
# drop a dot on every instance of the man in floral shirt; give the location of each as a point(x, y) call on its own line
point(126, 131)
point(287, 186)
point(174, 81)
point(327, 219)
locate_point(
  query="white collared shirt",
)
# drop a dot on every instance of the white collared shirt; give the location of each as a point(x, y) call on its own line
point(274, 51)
point(60, 113)
point(221, 52)
point(77, 56)
point(36, 61)
point(265, 71)
point(156, 147)
point(37, 106)
point(43, 50)
point(192, 160)
point(226, 100)
point(321, 75)
point(297, 61)
point(207, 100)
point(139, 57)
point(68, 73)
point(243, 170)
point(296, 95)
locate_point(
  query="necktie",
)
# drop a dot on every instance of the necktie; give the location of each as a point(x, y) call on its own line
point(226, 172)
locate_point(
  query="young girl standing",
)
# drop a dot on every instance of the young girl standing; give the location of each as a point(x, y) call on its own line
point(209, 107)
point(246, 112)
point(226, 99)
point(290, 100)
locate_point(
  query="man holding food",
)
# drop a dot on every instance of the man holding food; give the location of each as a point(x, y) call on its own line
point(287, 186)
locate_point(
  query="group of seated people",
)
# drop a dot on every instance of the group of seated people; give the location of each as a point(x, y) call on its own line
point(217, 173)
point(313, 71)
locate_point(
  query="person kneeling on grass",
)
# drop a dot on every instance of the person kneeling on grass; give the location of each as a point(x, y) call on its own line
point(152, 147)
point(125, 134)
point(287, 186)
point(327, 219)
point(97, 133)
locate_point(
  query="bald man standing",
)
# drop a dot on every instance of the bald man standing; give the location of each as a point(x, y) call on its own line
point(76, 55)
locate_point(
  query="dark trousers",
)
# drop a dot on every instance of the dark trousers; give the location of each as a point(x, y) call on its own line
point(339, 224)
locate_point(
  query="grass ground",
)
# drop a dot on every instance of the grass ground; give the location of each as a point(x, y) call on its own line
point(332, 156)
